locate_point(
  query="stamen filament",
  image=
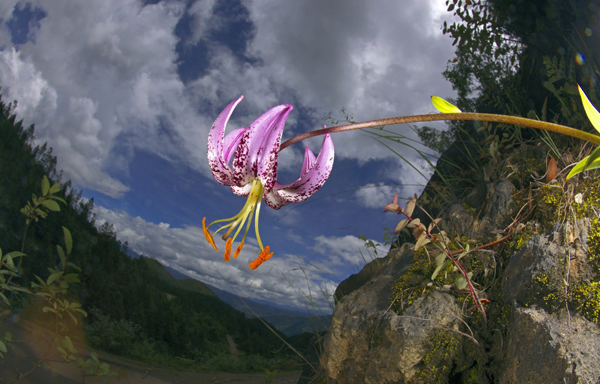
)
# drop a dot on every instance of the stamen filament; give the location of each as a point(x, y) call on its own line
point(236, 223)
point(256, 226)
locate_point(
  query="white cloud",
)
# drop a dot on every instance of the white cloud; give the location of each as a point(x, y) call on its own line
point(284, 279)
point(106, 77)
point(375, 196)
point(342, 252)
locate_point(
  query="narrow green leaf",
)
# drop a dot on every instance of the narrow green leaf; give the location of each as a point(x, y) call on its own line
point(45, 186)
point(4, 298)
point(74, 266)
point(59, 199)
point(581, 166)
point(7, 336)
point(62, 352)
point(439, 259)
point(9, 261)
point(68, 240)
point(437, 271)
point(53, 277)
point(3, 347)
point(444, 106)
point(61, 255)
point(68, 344)
point(73, 317)
point(593, 156)
point(591, 112)
point(51, 205)
point(55, 188)
point(15, 254)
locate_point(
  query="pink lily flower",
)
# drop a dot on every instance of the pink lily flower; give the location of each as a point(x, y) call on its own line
point(253, 172)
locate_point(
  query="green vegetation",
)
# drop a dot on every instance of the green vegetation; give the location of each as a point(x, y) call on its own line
point(133, 309)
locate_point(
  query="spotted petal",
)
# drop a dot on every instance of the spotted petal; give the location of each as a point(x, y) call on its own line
point(218, 157)
point(256, 155)
point(310, 181)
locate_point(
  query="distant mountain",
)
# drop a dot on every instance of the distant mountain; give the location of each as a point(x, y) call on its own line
point(290, 321)
point(184, 283)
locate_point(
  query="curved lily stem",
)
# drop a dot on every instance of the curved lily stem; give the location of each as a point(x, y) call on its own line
point(564, 130)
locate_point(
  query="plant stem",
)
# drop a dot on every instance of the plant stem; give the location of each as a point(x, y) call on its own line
point(521, 121)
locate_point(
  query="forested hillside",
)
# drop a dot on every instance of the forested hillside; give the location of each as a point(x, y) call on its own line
point(131, 310)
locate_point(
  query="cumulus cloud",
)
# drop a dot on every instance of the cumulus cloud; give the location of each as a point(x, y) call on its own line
point(101, 81)
point(106, 77)
point(285, 279)
point(375, 196)
point(342, 252)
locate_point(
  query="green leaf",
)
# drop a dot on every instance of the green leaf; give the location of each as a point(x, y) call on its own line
point(4, 298)
point(61, 255)
point(62, 351)
point(68, 240)
point(68, 344)
point(3, 347)
point(581, 166)
point(437, 271)
point(592, 157)
point(72, 278)
point(45, 186)
point(74, 266)
point(55, 188)
point(53, 277)
point(591, 112)
point(51, 205)
point(439, 259)
point(460, 282)
point(15, 254)
point(73, 317)
point(444, 106)
point(7, 336)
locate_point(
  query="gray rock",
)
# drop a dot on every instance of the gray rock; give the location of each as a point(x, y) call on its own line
point(369, 343)
point(551, 349)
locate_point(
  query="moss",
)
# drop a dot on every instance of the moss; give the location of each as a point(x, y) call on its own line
point(414, 283)
point(587, 299)
point(551, 292)
point(469, 210)
point(439, 362)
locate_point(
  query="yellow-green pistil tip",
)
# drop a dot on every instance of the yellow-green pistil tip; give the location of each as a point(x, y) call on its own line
point(444, 106)
point(236, 223)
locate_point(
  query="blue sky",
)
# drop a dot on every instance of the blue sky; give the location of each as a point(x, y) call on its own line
point(125, 92)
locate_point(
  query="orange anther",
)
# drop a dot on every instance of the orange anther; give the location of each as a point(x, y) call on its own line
point(238, 250)
point(264, 256)
point(228, 248)
point(207, 234)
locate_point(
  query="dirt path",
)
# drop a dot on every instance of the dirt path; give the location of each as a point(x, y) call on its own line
point(28, 337)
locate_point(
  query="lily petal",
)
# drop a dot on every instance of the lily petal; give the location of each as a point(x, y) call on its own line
point(231, 142)
point(256, 154)
point(309, 161)
point(216, 156)
point(308, 183)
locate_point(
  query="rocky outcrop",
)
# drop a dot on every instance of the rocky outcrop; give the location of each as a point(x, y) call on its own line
point(370, 343)
point(544, 347)
point(531, 336)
